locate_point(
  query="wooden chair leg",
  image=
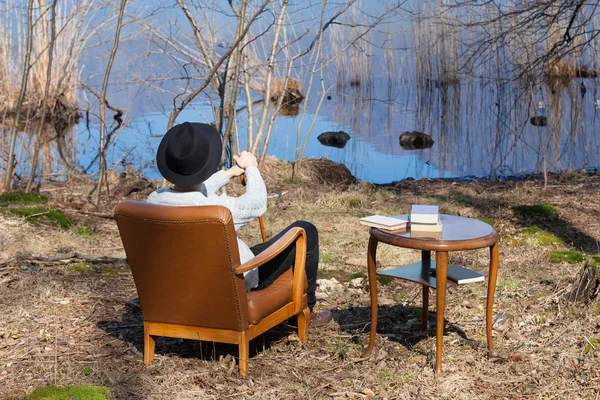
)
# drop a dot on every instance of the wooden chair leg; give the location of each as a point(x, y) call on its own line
point(149, 345)
point(303, 321)
point(244, 346)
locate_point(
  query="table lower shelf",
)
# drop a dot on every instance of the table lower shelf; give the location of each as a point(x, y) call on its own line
point(417, 273)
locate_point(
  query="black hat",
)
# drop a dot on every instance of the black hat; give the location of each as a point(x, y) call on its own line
point(189, 153)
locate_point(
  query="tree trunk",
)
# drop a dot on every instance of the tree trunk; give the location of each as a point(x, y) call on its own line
point(102, 149)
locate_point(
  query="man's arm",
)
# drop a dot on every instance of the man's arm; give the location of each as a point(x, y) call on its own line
point(251, 204)
point(212, 185)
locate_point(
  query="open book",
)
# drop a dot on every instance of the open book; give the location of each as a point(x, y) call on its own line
point(384, 223)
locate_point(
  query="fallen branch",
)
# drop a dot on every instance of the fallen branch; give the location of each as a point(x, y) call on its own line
point(94, 214)
point(66, 258)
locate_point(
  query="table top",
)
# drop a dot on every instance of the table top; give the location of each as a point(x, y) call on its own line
point(458, 233)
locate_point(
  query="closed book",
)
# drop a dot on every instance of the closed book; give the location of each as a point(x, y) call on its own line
point(384, 223)
point(425, 235)
point(426, 227)
point(460, 274)
point(422, 214)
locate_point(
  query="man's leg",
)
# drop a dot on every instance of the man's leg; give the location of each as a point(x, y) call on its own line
point(271, 270)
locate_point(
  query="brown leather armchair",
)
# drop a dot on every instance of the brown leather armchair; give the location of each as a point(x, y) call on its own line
point(186, 267)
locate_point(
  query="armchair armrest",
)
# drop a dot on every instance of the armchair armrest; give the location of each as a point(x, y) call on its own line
point(295, 235)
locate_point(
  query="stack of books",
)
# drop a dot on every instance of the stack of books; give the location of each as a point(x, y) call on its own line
point(387, 224)
point(425, 219)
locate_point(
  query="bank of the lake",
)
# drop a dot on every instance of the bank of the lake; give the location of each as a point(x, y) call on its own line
point(68, 319)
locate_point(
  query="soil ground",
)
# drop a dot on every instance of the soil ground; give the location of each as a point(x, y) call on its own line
point(69, 320)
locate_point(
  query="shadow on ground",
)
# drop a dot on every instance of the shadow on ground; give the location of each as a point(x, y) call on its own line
point(527, 216)
point(398, 323)
point(131, 330)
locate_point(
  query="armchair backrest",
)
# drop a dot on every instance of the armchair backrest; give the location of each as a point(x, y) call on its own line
point(182, 260)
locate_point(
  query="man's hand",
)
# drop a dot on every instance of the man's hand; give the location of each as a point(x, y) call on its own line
point(245, 160)
point(234, 172)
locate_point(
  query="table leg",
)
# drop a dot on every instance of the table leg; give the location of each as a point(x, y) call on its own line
point(372, 268)
point(441, 276)
point(425, 266)
point(491, 290)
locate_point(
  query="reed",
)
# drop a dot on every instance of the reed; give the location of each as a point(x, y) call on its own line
point(64, 68)
point(49, 108)
point(389, 62)
point(339, 56)
point(350, 47)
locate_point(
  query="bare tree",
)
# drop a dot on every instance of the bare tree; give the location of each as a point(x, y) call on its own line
point(103, 102)
point(539, 33)
point(10, 166)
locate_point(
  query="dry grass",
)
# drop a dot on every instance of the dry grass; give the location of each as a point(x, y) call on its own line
point(73, 325)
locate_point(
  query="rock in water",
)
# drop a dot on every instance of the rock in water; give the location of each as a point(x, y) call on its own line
point(334, 139)
point(415, 140)
point(539, 121)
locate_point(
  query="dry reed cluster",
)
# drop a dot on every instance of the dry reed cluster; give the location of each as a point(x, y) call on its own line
point(49, 108)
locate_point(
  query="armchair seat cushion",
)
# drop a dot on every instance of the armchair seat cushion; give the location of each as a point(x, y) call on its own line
point(262, 303)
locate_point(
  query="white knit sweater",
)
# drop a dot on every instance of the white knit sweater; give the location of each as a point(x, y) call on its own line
point(244, 209)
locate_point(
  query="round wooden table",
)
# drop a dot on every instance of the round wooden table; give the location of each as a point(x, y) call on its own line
point(458, 234)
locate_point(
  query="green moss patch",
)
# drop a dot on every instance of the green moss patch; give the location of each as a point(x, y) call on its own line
point(487, 220)
point(79, 267)
point(84, 231)
point(508, 284)
point(532, 230)
point(87, 392)
point(568, 256)
point(22, 198)
point(536, 236)
point(355, 275)
point(402, 297)
point(384, 280)
point(38, 214)
point(536, 210)
point(327, 258)
point(591, 346)
point(595, 261)
point(547, 239)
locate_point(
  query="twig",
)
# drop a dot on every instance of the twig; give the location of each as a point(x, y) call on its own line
point(56, 354)
point(555, 338)
point(38, 214)
point(92, 213)
point(125, 327)
point(591, 344)
point(356, 325)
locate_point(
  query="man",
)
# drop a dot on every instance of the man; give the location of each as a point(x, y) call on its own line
point(188, 157)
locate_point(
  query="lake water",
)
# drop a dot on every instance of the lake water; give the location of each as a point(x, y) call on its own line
point(477, 132)
point(480, 128)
